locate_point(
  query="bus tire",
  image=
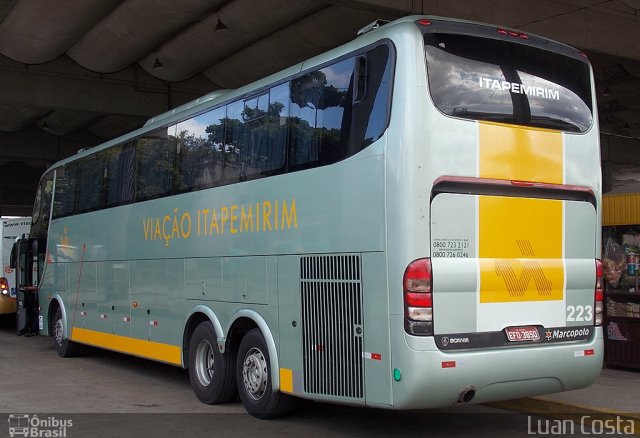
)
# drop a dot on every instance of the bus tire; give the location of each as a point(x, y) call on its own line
point(254, 376)
point(211, 373)
point(64, 347)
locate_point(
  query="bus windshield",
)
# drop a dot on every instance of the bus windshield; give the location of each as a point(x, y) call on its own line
point(489, 79)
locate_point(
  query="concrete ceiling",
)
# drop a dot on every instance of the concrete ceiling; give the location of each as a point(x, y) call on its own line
point(74, 73)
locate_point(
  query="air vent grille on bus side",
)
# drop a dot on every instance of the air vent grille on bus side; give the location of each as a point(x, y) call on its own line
point(331, 297)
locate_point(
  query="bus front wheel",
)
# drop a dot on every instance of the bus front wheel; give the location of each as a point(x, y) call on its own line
point(64, 347)
point(254, 376)
point(211, 373)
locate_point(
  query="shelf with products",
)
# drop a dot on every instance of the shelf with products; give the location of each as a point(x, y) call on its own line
point(624, 319)
point(621, 283)
point(622, 329)
point(621, 306)
point(613, 293)
point(621, 272)
point(622, 354)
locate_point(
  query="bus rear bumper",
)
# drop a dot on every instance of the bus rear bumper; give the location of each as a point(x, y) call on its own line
point(432, 378)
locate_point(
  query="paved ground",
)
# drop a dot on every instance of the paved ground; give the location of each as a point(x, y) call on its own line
point(106, 394)
point(617, 389)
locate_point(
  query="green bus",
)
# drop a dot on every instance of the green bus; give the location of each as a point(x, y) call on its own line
point(410, 220)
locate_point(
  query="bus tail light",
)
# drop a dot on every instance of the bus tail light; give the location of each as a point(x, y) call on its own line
point(512, 33)
point(418, 300)
point(4, 286)
point(598, 293)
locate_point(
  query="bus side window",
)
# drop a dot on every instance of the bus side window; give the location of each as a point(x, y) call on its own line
point(42, 207)
point(200, 151)
point(318, 102)
point(66, 178)
point(90, 175)
point(119, 165)
point(234, 142)
point(255, 132)
point(155, 160)
point(371, 113)
point(278, 115)
point(340, 109)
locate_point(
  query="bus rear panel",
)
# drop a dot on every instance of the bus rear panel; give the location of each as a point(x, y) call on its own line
point(499, 238)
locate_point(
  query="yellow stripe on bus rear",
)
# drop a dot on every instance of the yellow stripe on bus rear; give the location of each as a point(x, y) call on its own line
point(520, 249)
point(147, 349)
point(521, 154)
point(520, 239)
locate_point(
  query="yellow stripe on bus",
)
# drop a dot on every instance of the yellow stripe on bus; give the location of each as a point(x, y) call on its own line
point(520, 239)
point(148, 349)
point(521, 154)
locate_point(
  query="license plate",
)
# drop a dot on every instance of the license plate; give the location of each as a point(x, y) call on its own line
point(521, 334)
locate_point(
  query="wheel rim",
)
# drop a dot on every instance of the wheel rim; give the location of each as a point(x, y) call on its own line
point(204, 362)
point(58, 332)
point(255, 374)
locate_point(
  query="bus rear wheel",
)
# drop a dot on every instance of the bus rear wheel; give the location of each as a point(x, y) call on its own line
point(211, 373)
point(64, 347)
point(254, 376)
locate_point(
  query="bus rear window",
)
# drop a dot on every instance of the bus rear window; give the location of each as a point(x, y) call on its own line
point(488, 79)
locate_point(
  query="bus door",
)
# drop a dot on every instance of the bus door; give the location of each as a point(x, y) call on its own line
point(28, 258)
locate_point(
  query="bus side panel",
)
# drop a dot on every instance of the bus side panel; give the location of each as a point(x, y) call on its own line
point(82, 309)
point(377, 343)
point(245, 279)
point(290, 325)
point(57, 285)
point(203, 278)
point(113, 297)
point(376, 355)
point(157, 289)
point(47, 285)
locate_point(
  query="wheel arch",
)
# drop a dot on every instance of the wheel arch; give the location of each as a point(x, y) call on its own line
point(241, 322)
point(54, 304)
point(197, 315)
point(246, 319)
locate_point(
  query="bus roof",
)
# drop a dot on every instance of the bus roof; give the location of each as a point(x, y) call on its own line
point(375, 33)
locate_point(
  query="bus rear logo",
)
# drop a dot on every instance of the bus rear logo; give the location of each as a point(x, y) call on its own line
point(518, 285)
point(521, 279)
